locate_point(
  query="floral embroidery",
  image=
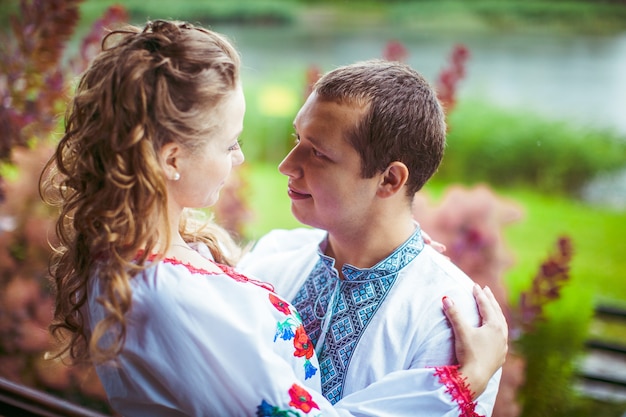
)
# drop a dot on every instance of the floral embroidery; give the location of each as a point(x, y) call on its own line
point(280, 305)
point(302, 343)
point(301, 399)
point(457, 387)
point(268, 410)
point(292, 328)
point(304, 348)
point(309, 369)
point(284, 330)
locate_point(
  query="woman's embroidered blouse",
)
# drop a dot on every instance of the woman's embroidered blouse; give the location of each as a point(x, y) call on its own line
point(201, 343)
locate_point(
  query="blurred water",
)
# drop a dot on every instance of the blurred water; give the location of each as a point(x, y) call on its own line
point(580, 79)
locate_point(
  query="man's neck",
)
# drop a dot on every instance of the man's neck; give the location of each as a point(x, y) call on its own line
point(368, 246)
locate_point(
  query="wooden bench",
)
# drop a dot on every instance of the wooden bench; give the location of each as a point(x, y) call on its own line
point(602, 373)
point(18, 400)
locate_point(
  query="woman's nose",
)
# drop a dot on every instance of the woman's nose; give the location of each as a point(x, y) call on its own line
point(238, 157)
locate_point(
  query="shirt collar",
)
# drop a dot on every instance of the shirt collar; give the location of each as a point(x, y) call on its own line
point(392, 264)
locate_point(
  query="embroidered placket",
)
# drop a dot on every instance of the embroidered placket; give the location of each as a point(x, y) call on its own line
point(350, 305)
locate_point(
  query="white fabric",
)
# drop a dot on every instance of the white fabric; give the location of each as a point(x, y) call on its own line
point(205, 344)
point(201, 344)
point(408, 332)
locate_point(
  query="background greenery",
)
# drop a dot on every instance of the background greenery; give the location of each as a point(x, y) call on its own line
point(540, 164)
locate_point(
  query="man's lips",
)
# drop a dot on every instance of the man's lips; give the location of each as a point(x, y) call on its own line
point(297, 195)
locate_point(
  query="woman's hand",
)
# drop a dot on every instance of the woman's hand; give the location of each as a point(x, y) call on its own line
point(481, 351)
point(439, 247)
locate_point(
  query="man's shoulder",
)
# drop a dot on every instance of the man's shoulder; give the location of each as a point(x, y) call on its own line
point(439, 265)
point(283, 258)
point(282, 240)
point(430, 276)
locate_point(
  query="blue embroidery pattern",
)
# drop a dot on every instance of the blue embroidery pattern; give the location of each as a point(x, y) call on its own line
point(355, 300)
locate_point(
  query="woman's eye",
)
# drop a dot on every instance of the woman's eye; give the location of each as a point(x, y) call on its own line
point(236, 146)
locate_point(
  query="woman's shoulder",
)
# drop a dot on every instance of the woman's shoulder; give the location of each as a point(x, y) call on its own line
point(177, 284)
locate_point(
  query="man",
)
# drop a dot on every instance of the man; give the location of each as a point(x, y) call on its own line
point(369, 291)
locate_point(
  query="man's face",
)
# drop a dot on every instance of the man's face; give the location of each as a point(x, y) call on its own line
point(324, 170)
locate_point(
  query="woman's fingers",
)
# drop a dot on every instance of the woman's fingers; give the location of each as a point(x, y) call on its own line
point(439, 247)
point(453, 315)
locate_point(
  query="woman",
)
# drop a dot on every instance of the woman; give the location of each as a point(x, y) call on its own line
point(174, 330)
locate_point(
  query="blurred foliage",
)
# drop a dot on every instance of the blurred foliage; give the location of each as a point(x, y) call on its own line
point(568, 16)
point(35, 79)
point(32, 89)
point(514, 15)
point(550, 344)
point(507, 148)
point(550, 352)
point(207, 12)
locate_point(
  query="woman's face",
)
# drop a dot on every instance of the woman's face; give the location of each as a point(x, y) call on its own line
point(204, 171)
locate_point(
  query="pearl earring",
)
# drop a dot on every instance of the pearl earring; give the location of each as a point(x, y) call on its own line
point(176, 176)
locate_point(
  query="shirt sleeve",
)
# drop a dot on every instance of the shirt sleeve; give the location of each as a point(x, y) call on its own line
point(424, 392)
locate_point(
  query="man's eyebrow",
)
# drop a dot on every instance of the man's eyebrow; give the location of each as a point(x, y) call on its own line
point(314, 141)
point(317, 143)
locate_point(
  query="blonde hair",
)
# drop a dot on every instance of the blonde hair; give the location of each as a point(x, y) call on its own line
point(148, 87)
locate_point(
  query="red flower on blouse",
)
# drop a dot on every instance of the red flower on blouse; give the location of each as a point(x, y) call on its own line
point(280, 305)
point(302, 343)
point(301, 399)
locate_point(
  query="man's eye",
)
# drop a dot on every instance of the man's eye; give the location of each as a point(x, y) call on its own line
point(296, 138)
point(318, 153)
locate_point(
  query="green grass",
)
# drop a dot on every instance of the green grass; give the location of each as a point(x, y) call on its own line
point(598, 265)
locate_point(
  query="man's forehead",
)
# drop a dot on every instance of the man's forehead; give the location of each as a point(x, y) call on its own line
point(323, 111)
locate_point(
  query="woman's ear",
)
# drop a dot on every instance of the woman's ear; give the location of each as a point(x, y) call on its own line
point(169, 157)
point(393, 179)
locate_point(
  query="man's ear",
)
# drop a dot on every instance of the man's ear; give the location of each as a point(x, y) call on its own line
point(169, 157)
point(393, 179)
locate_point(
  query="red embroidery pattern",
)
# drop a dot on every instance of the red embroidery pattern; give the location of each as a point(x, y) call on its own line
point(230, 271)
point(227, 270)
point(457, 388)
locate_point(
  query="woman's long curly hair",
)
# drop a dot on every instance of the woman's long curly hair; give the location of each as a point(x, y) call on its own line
point(148, 87)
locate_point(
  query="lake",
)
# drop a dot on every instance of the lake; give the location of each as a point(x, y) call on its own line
point(581, 79)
